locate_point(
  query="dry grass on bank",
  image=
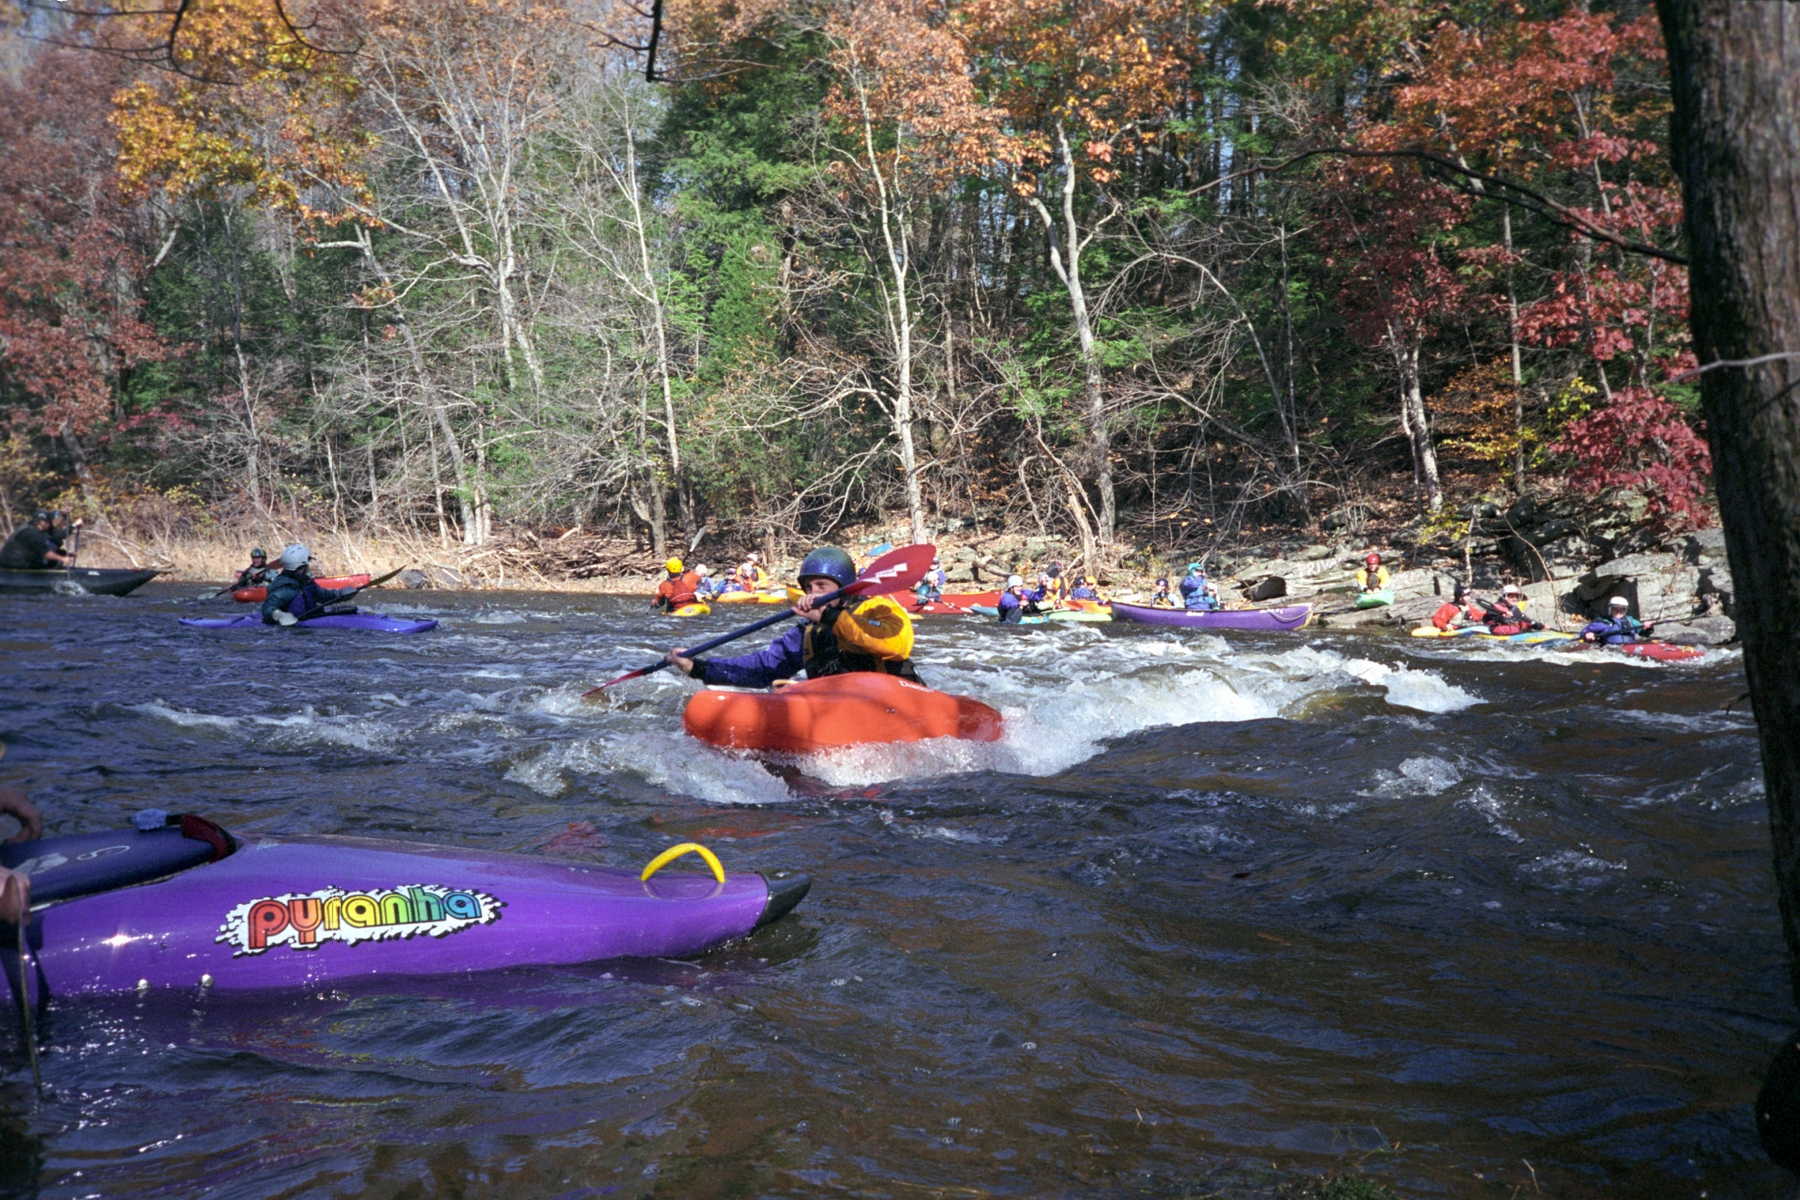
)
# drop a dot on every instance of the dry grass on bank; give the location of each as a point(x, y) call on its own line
point(574, 562)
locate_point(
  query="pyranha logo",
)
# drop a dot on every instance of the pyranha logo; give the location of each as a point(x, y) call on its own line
point(306, 920)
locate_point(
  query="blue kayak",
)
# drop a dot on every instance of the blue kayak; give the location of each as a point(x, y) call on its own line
point(367, 621)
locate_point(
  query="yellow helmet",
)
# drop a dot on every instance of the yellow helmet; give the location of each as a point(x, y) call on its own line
point(673, 566)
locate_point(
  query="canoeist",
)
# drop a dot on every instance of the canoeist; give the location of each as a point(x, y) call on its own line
point(1087, 589)
point(1160, 598)
point(36, 546)
point(848, 634)
point(1459, 610)
point(681, 587)
point(1196, 595)
point(1507, 614)
point(294, 594)
point(1618, 625)
point(258, 573)
point(1373, 577)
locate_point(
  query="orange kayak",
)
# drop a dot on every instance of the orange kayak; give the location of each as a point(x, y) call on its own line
point(856, 709)
point(256, 595)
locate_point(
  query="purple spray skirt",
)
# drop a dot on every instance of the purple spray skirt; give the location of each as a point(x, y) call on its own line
point(302, 913)
point(373, 622)
point(1291, 617)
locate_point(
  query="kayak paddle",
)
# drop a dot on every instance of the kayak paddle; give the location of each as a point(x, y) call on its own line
point(321, 610)
point(894, 571)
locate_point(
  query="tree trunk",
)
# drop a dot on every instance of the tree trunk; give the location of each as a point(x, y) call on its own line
point(1736, 74)
point(1416, 423)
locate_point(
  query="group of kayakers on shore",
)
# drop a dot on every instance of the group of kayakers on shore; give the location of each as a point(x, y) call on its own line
point(38, 544)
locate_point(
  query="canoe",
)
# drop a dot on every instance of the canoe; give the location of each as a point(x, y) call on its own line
point(256, 595)
point(970, 599)
point(751, 598)
point(859, 708)
point(368, 621)
point(1291, 617)
point(1099, 606)
point(697, 609)
point(1375, 599)
point(295, 914)
point(95, 581)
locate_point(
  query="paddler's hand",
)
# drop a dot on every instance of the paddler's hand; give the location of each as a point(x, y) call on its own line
point(15, 895)
point(805, 612)
point(13, 803)
point(680, 661)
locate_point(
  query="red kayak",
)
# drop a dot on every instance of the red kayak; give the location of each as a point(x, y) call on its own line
point(256, 595)
point(860, 708)
point(1660, 651)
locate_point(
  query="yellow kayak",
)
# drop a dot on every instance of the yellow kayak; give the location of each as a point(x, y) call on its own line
point(697, 609)
point(751, 598)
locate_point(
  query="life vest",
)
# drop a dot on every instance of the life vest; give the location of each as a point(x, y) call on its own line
point(825, 653)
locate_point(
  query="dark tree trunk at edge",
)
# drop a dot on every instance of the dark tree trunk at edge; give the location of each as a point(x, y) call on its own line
point(1735, 68)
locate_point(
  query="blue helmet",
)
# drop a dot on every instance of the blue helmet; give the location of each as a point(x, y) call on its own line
point(830, 563)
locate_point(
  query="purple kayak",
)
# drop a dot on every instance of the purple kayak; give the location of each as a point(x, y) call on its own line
point(1291, 617)
point(372, 622)
point(295, 914)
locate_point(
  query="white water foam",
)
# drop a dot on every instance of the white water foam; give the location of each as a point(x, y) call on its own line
point(1420, 776)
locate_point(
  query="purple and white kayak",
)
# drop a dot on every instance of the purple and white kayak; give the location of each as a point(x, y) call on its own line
point(372, 622)
point(1291, 617)
point(301, 913)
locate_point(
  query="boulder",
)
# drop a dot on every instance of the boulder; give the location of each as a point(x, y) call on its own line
point(1268, 587)
point(1313, 553)
point(1704, 544)
point(1698, 631)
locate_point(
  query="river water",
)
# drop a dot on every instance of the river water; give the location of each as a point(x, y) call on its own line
point(1221, 912)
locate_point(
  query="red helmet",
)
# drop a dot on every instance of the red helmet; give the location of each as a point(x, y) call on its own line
point(1373, 559)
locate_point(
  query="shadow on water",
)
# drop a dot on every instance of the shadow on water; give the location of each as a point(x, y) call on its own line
point(1216, 914)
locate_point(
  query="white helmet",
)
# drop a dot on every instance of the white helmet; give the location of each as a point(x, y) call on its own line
point(1512, 589)
point(703, 570)
point(296, 555)
point(1013, 581)
point(1618, 602)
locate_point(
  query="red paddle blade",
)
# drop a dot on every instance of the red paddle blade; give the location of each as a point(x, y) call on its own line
point(894, 571)
point(594, 693)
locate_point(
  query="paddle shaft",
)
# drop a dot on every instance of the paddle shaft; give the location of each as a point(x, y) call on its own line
point(351, 595)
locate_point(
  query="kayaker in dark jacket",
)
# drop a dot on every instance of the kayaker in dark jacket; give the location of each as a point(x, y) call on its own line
point(1617, 626)
point(35, 547)
point(872, 634)
point(258, 573)
point(1010, 607)
point(294, 594)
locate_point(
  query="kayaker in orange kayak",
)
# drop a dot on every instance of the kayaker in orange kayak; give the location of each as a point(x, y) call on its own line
point(258, 574)
point(681, 587)
point(872, 634)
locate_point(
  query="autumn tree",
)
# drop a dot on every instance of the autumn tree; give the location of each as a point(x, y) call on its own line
point(70, 323)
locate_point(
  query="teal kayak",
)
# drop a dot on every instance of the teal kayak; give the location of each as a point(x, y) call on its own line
point(1375, 599)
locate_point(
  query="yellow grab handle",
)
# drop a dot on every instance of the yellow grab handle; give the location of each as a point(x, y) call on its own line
point(674, 852)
